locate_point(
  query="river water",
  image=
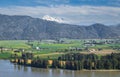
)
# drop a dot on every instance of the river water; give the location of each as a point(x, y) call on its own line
point(8, 69)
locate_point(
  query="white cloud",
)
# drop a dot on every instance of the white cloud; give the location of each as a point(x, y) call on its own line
point(72, 14)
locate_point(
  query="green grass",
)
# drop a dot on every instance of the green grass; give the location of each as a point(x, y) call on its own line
point(107, 46)
point(14, 44)
point(54, 47)
point(41, 52)
point(52, 57)
point(5, 55)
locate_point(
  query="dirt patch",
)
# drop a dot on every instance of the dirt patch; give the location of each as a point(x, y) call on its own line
point(102, 52)
point(48, 54)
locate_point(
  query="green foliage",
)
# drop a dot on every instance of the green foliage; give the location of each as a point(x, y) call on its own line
point(91, 61)
point(40, 63)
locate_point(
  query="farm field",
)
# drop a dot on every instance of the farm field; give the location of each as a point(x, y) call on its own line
point(14, 44)
point(51, 49)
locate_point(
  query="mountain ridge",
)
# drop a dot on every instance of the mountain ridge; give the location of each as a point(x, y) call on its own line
point(28, 28)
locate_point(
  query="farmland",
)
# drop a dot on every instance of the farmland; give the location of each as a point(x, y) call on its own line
point(52, 49)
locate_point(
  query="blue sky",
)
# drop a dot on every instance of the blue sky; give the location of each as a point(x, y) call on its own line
point(6, 3)
point(72, 11)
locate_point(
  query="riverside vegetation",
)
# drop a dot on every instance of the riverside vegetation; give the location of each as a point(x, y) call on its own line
point(75, 61)
point(66, 54)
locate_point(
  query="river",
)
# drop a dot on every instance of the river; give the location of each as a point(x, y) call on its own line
point(8, 69)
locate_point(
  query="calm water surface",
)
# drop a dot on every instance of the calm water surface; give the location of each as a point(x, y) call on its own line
point(8, 69)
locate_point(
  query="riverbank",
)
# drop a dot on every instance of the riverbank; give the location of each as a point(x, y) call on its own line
point(5, 55)
point(52, 64)
point(101, 70)
point(8, 69)
point(83, 70)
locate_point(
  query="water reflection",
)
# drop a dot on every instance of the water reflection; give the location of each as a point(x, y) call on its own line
point(8, 69)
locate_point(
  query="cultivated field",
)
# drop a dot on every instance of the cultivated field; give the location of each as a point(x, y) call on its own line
point(52, 49)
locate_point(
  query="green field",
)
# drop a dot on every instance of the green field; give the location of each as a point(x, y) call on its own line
point(48, 49)
point(14, 44)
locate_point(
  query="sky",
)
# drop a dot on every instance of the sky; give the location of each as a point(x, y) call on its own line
point(80, 12)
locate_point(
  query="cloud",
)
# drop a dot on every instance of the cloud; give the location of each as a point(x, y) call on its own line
point(72, 14)
point(51, 2)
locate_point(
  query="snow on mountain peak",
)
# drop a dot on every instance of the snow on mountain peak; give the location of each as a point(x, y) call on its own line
point(49, 18)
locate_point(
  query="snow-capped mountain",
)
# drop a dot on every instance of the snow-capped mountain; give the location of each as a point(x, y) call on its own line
point(56, 19)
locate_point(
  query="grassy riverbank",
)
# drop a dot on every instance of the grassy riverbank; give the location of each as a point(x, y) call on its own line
point(5, 55)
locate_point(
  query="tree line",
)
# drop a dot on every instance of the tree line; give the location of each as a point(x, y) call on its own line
point(77, 61)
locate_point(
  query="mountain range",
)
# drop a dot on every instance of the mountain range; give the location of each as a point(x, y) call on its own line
point(28, 28)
